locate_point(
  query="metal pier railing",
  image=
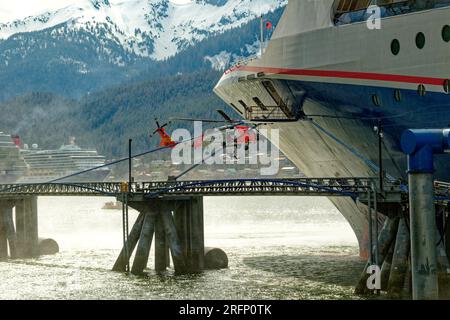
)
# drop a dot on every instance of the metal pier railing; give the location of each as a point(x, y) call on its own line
point(302, 186)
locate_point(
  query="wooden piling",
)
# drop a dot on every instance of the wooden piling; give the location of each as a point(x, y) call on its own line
point(407, 283)
point(10, 230)
point(385, 238)
point(121, 262)
point(447, 236)
point(399, 261)
point(196, 255)
point(188, 218)
point(27, 227)
point(3, 238)
point(386, 268)
point(182, 225)
point(162, 255)
point(443, 269)
point(145, 242)
point(174, 242)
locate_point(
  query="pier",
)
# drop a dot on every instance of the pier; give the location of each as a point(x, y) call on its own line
point(171, 218)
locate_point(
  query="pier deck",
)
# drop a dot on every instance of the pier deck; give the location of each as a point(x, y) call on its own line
point(324, 187)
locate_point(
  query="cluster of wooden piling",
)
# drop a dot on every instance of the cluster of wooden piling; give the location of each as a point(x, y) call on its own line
point(177, 228)
point(394, 258)
point(19, 238)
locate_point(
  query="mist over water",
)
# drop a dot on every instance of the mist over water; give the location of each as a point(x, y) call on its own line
point(278, 248)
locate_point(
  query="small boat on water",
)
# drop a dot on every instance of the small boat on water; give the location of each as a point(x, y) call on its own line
point(113, 205)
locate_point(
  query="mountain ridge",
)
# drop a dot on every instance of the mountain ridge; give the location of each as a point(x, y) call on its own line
point(73, 63)
point(157, 29)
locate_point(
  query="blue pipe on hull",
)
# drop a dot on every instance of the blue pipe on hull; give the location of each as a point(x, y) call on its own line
point(421, 144)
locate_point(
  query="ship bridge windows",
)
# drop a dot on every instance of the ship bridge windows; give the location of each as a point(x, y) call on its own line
point(351, 11)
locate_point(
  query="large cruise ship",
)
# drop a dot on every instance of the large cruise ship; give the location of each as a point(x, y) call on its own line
point(327, 77)
point(12, 165)
point(48, 165)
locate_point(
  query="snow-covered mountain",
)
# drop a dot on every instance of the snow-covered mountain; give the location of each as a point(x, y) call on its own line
point(101, 69)
point(156, 29)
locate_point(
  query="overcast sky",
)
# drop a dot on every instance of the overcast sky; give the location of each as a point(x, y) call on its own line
point(17, 9)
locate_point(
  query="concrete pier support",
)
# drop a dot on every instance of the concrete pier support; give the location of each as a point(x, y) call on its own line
point(8, 232)
point(386, 268)
point(443, 272)
point(3, 239)
point(423, 237)
point(399, 261)
point(176, 248)
point(447, 236)
point(385, 240)
point(190, 228)
point(177, 225)
point(27, 227)
point(162, 254)
point(121, 262)
point(145, 240)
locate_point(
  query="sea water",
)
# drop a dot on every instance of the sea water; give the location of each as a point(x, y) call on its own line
point(278, 248)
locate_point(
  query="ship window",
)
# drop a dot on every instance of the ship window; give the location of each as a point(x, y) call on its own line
point(395, 47)
point(447, 86)
point(259, 103)
point(420, 40)
point(446, 33)
point(376, 100)
point(351, 11)
point(421, 90)
point(235, 108)
point(243, 104)
point(397, 95)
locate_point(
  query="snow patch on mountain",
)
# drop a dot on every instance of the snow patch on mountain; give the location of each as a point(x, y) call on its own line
point(225, 60)
point(220, 61)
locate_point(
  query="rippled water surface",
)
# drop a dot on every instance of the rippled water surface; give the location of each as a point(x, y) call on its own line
point(278, 248)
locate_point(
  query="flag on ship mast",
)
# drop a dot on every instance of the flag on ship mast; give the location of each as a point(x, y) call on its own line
point(262, 34)
point(268, 26)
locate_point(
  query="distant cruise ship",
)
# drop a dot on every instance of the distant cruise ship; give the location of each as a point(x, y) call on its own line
point(12, 165)
point(48, 165)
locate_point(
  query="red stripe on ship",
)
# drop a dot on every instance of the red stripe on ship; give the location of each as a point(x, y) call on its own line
point(345, 75)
